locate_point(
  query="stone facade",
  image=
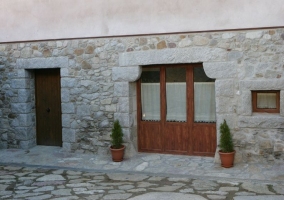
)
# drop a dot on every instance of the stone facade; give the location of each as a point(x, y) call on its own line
point(98, 86)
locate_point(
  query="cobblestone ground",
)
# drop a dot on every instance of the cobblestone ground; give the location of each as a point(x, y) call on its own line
point(42, 183)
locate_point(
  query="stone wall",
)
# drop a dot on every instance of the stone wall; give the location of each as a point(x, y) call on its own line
point(98, 85)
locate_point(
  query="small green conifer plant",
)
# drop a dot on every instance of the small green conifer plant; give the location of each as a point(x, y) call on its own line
point(226, 142)
point(116, 135)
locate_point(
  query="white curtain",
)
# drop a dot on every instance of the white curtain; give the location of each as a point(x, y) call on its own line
point(266, 100)
point(204, 102)
point(176, 101)
point(150, 96)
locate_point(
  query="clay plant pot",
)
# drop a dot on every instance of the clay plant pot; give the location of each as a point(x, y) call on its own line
point(117, 154)
point(227, 159)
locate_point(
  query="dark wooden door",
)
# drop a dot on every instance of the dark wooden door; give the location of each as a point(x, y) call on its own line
point(48, 107)
point(170, 134)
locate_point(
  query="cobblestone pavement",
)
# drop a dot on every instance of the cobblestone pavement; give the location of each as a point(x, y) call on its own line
point(18, 182)
point(49, 173)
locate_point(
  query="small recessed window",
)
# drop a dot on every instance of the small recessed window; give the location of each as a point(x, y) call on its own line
point(266, 101)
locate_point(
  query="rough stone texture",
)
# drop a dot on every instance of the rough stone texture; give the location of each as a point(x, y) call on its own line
point(98, 85)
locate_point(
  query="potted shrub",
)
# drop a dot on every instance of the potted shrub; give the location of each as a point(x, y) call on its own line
point(117, 148)
point(226, 152)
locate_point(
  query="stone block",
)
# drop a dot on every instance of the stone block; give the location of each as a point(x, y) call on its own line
point(121, 89)
point(110, 108)
point(66, 122)
point(282, 102)
point(225, 105)
point(3, 145)
point(68, 135)
point(25, 133)
point(254, 34)
point(228, 35)
point(21, 107)
point(64, 72)
point(27, 144)
point(24, 95)
point(67, 108)
point(172, 56)
point(200, 40)
point(125, 119)
point(235, 55)
point(261, 121)
point(278, 146)
point(126, 74)
point(262, 84)
point(124, 104)
point(39, 63)
point(225, 88)
point(83, 110)
point(68, 82)
point(22, 73)
point(20, 83)
point(25, 119)
point(66, 146)
point(245, 105)
point(220, 69)
point(65, 95)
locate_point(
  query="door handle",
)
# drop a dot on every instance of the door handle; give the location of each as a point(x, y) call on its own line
point(48, 110)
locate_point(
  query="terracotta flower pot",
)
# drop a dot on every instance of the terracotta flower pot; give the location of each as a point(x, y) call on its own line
point(227, 159)
point(117, 154)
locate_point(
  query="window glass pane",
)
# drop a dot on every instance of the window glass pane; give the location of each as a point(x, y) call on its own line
point(266, 100)
point(176, 94)
point(150, 94)
point(204, 97)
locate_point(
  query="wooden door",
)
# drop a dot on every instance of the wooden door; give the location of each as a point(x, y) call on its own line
point(173, 132)
point(48, 107)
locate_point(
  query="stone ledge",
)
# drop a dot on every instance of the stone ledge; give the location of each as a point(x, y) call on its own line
point(261, 121)
point(39, 63)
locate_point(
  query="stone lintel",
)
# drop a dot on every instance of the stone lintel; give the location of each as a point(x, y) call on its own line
point(172, 56)
point(128, 74)
point(41, 63)
point(268, 84)
point(220, 69)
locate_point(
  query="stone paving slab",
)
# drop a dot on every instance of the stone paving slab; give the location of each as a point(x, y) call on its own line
point(35, 183)
point(149, 164)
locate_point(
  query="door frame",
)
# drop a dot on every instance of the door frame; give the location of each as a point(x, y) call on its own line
point(191, 127)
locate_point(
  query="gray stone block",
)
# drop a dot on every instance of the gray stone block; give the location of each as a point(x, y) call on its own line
point(261, 121)
point(225, 88)
point(3, 145)
point(21, 107)
point(68, 82)
point(39, 63)
point(24, 95)
point(66, 122)
point(20, 83)
point(121, 89)
point(27, 144)
point(221, 69)
point(125, 119)
point(126, 74)
point(171, 56)
point(83, 110)
point(25, 133)
point(67, 108)
point(68, 135)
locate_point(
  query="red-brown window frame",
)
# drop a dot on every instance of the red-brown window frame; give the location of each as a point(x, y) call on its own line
point(267, 110)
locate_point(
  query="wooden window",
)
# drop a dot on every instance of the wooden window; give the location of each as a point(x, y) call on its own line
point(266, 101)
